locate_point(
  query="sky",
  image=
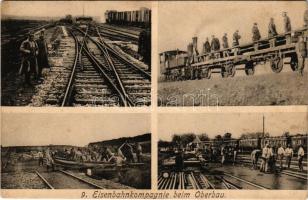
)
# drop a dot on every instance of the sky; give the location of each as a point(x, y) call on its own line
point(70, 129)
point(61, 8)
point(276, 123)
point(178, 21)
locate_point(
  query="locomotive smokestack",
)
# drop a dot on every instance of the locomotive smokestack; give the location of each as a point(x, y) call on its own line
point(195, 43)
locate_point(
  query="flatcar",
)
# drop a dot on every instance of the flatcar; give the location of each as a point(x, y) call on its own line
point(140, 18)
point(291, 45)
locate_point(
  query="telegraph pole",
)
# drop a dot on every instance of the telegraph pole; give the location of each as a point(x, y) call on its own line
point(263, 125)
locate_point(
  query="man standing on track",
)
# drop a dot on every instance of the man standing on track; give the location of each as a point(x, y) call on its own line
point(300, 156)
point(42, 58)
point(289, 155)
point(29, 50)
point(280, 155)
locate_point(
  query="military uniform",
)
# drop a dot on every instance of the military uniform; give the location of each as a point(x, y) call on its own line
point(287, 23)
point(215, 44)
point(256, 36)
point(42, 57)
point(272, 29)
point(236, 38)
point(306, 18)
point(29, 50)
point(206, 47)
point(225, 44)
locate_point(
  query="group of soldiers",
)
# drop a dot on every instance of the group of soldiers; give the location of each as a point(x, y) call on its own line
point(34, 57)
point(270, 155)
point(123, 154)
point(256, 35)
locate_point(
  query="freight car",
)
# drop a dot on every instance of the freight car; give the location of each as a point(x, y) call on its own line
point(140, 18)
point(249, 144)
point(287, 48)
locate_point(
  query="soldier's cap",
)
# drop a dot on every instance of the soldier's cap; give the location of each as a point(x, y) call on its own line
point(255, 23)
point(284, 12)
point(225, 33)
point(31, 33)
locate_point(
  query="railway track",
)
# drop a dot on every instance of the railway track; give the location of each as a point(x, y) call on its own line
point(97, 75)
point(125, 82)
point(198, 180)
point(119, 33)
point(65, 180)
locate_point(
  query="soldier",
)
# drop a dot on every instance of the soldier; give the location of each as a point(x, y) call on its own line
point(280, 155)
point(225, 44)
point(29, 50)
point(138, 152)
point(215, 44)
point(236, 38)
point(288, 155)
point(300, 156)
point(306, 17)
point(42, 58)
point(272, 28)
point(286, 22)
point(256, 36)
point(206, 46)
point(127, 151)
point(255, 154)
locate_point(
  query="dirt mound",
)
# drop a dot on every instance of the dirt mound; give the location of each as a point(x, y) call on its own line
point(287, 88)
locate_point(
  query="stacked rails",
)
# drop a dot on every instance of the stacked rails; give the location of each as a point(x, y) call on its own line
point(118, 33)
point(184, 180)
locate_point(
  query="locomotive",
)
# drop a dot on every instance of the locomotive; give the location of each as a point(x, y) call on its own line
point(140, 18)
point(190, 64)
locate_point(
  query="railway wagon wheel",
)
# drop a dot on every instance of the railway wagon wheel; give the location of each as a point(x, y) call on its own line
point(224, 73)
point(297, 63)
point(249, 69)
point(294, 63)
point(207, 73)
point(232, 70)
point(276, 65)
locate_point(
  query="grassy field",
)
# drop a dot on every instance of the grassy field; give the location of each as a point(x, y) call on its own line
point(286, 88)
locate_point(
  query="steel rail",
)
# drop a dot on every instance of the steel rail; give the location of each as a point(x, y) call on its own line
point(100, 67)
point(248, 182)
point(120, 57)
point(128, 101)
point(82, 180)
point(111, 65)
point(70, 86)
point(44, 180)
